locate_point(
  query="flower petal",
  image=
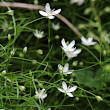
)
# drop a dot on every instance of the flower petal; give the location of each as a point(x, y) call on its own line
point(93, 43)
point(51, 17)
point(66, 67)
point(90, 39)
point(72, 89)
point(84, 40)
point(64, 86)
point(63, 43)
point(61, 90)
point(67, 72)
point(71, 44)
point(70, 95)
point(43, 13)
point(44, 96)
point(56, 12)
point(76, 51)
point(47, 8)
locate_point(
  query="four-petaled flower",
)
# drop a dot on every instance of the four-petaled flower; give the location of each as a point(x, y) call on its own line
point(49, 13)
point(65, 69)
point(74, 53)
point(68, 47)
point(39, 34)
point(88, 41)
point(41, 95)
point(67, 90)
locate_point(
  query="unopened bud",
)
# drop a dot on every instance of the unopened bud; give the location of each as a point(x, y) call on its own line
point(25, 50)
point(9, 37)
point(22, 88)
point(3, 72)
point(10, 12)
point(98, 98)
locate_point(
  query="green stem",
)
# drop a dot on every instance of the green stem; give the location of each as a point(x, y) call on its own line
point(49, 39)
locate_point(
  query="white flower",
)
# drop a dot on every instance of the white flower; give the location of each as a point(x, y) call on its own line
point(65, 69)
point(41, 94)
point(48, 12)
point(67, 90)
point(88, 41)
point(39, 34)
point(79, 2)
point(68, 47)
point(56, 26)
point(74, 53)
point(25, 50)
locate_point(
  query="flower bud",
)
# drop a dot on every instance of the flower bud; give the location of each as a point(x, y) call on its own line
point(3, 72)
point(9, 37)
point(36, 2)
point(57, 37)
point(22, 88)
point(40, 51)
point(25, 50)
point(12, 52)
point(10, 12)
point(98, 98)
point(34, 62)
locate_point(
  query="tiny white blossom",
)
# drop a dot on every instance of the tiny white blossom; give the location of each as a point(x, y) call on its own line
point(88, 41)
point(65, 69)
point(25, 50)
point(56, 26)
point(67, 90)
point(68, 47)
point(39, 34)
point(74, 53)
point(49, 13)
point(41, 94)
point(79, 2)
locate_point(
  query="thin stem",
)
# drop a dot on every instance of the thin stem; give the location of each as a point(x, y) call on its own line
point(49, 39)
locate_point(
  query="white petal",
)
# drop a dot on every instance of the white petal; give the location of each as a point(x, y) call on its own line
point(63, 49)
point(42, 91)
point(93, 43)
point(71, 44)
point(83, 40)
point(66, 67)
point(36, 92)
point(90, 39)
point(67, 72)
point(63, 43)
point(70, 95)
point(56, 12)
point(47, 8)
point(51, 17)
point(64, 86)
point(77, 51)
point(72, 89)
point(61, 90)
point(44, 96)
point(43, 13)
